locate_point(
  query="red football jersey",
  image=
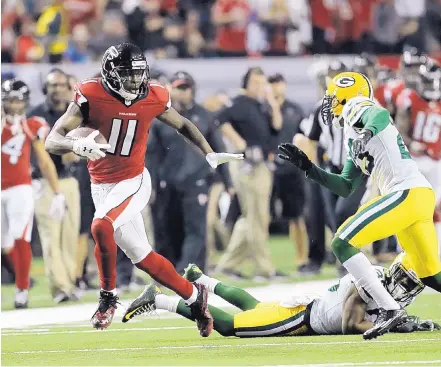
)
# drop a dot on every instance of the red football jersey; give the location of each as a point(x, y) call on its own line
point(16, 150)
point(125, 127)
point(425, 120)
point(391, 91)
point(379, 94)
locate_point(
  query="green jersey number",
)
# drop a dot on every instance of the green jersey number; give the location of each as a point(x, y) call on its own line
point(403, 149)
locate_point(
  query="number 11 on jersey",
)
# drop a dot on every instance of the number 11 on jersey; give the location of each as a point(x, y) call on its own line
point(115, 137)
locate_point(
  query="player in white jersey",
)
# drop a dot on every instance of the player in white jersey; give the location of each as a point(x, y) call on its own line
point(342, 309)
point(405, 207)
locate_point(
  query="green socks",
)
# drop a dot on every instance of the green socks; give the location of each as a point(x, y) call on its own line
point(223, 321)
point(236, 296)
point(343, 250)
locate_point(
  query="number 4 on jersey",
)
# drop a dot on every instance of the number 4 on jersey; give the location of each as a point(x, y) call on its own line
point(115, 135)
point(13, 147)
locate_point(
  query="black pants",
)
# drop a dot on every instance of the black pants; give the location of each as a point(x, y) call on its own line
point(180, 221)
point(315, 222)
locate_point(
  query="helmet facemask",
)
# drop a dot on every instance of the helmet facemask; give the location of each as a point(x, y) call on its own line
point(429, 86)
point(402, 284)
point(330, 104)
point(128, 81)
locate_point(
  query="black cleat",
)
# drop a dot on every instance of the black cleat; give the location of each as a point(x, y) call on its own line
point(199, 310)
point(387, 320)
point(107, 305)
point(144, 303)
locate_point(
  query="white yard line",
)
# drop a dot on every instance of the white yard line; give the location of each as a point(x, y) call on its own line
point(386, 363)
point(47, 332)
point(222, 346)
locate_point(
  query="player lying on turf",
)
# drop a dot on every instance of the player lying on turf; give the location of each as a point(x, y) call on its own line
point(341, 310)
point(405, 207)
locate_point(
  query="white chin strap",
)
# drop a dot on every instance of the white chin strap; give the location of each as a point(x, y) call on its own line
point(123, 93)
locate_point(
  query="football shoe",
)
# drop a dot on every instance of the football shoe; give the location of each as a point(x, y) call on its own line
point(144, 303)
point(107, 305)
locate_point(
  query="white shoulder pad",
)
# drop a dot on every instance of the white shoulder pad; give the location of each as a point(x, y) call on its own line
point(355, 108)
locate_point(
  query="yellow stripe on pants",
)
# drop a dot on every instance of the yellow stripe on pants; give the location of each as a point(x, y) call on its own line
point(59, 238)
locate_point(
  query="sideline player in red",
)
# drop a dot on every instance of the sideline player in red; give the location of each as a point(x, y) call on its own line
point(408, 77)
point(19, 135)
point(121, 106)
point(419, 121)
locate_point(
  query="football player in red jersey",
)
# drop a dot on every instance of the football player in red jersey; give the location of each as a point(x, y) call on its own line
point(367, 64)
point(121, 106)
point(419, 121)
point(19, 135)
point(408, 77)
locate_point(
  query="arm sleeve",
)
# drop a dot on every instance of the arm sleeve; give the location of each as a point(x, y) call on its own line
point(375, 119)
point(343, 184)
point(218, 145)
point(225, 115)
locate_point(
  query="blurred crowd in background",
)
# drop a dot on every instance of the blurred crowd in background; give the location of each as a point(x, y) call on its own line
point(80, 30)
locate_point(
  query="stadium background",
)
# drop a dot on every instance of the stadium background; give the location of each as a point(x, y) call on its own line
point(281, 36)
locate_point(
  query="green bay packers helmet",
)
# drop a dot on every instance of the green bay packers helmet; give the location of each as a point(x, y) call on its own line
point(341, 89)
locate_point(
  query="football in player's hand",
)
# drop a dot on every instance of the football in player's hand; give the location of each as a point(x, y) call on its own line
point(83, 132)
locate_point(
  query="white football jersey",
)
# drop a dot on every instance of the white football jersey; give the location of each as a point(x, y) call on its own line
point(327, 310)
point(387, 159)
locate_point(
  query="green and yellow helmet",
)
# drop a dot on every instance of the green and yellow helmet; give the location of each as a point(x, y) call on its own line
point(340, 90)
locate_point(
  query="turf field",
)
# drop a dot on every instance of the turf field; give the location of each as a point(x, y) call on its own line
point(48, 336)
point(282, 252)
point(170, 341)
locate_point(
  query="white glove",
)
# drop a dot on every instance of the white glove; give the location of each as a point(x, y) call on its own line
point(89, 148)
point(214, 159)
point(57, 208)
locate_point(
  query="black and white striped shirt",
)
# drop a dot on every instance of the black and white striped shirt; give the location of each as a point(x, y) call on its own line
point(330, 138)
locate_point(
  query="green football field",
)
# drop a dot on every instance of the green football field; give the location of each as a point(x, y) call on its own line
point(162, 340)
point(174, 341)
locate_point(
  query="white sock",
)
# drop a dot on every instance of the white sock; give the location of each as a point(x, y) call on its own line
point(164, 302)
point(193, 297)
point(364, 273)
point(209, 282)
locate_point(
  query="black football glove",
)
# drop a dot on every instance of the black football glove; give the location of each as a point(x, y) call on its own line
point(359, 144)
point(289, 152)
